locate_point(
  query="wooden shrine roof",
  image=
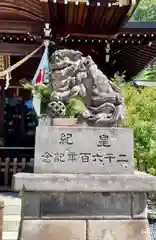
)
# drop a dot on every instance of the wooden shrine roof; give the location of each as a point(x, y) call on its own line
point(138, 46)
point(22, 16)
point(134, 58)
point(21, 10)
point(88, 17)
point(147, 27)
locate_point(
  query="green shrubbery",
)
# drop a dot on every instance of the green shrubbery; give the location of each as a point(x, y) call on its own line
point(141, 117)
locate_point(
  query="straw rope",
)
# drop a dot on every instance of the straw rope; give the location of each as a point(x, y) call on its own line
point(16, 65)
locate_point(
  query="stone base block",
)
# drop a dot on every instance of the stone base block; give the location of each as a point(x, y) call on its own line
point(53, 230)
point(139, 205)
point(118, 230)
point(86, 205)
point(138, 182)
point(85, 230)
point(81, 205)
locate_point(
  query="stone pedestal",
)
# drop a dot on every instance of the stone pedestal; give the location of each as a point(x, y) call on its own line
point(94, 197)
point(80, 206)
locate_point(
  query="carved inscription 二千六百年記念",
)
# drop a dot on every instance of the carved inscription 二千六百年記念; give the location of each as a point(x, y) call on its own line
point(85, 150)
point(85, 157)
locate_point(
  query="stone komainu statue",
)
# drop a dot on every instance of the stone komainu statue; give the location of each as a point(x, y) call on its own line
point(73, 74)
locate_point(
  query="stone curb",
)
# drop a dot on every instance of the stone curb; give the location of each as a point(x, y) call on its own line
point(138, 182)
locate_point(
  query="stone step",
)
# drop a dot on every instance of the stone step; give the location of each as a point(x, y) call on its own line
point(11, 215)
point(9, 235)
point(11, 201)
point(11, 223)
point(12, 210)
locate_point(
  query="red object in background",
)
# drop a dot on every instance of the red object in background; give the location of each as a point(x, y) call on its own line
point(44, 64)
point(40, 76)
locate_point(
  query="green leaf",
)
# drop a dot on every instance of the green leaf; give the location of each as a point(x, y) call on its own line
point(27, 86)
point(75, 106)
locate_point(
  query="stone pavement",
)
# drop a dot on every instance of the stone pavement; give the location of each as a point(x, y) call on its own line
point(11, 218)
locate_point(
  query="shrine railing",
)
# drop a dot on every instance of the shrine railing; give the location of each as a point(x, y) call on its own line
point(12, 161)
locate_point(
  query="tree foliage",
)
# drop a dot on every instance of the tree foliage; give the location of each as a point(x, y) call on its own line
point(141, 117)
point(148, 74)
point(146, 11)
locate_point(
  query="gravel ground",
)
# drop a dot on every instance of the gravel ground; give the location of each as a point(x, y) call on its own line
point(152, 218)
point(153, 230)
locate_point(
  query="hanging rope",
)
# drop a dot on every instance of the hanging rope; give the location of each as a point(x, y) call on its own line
point(7, 83)
point(16, 65)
